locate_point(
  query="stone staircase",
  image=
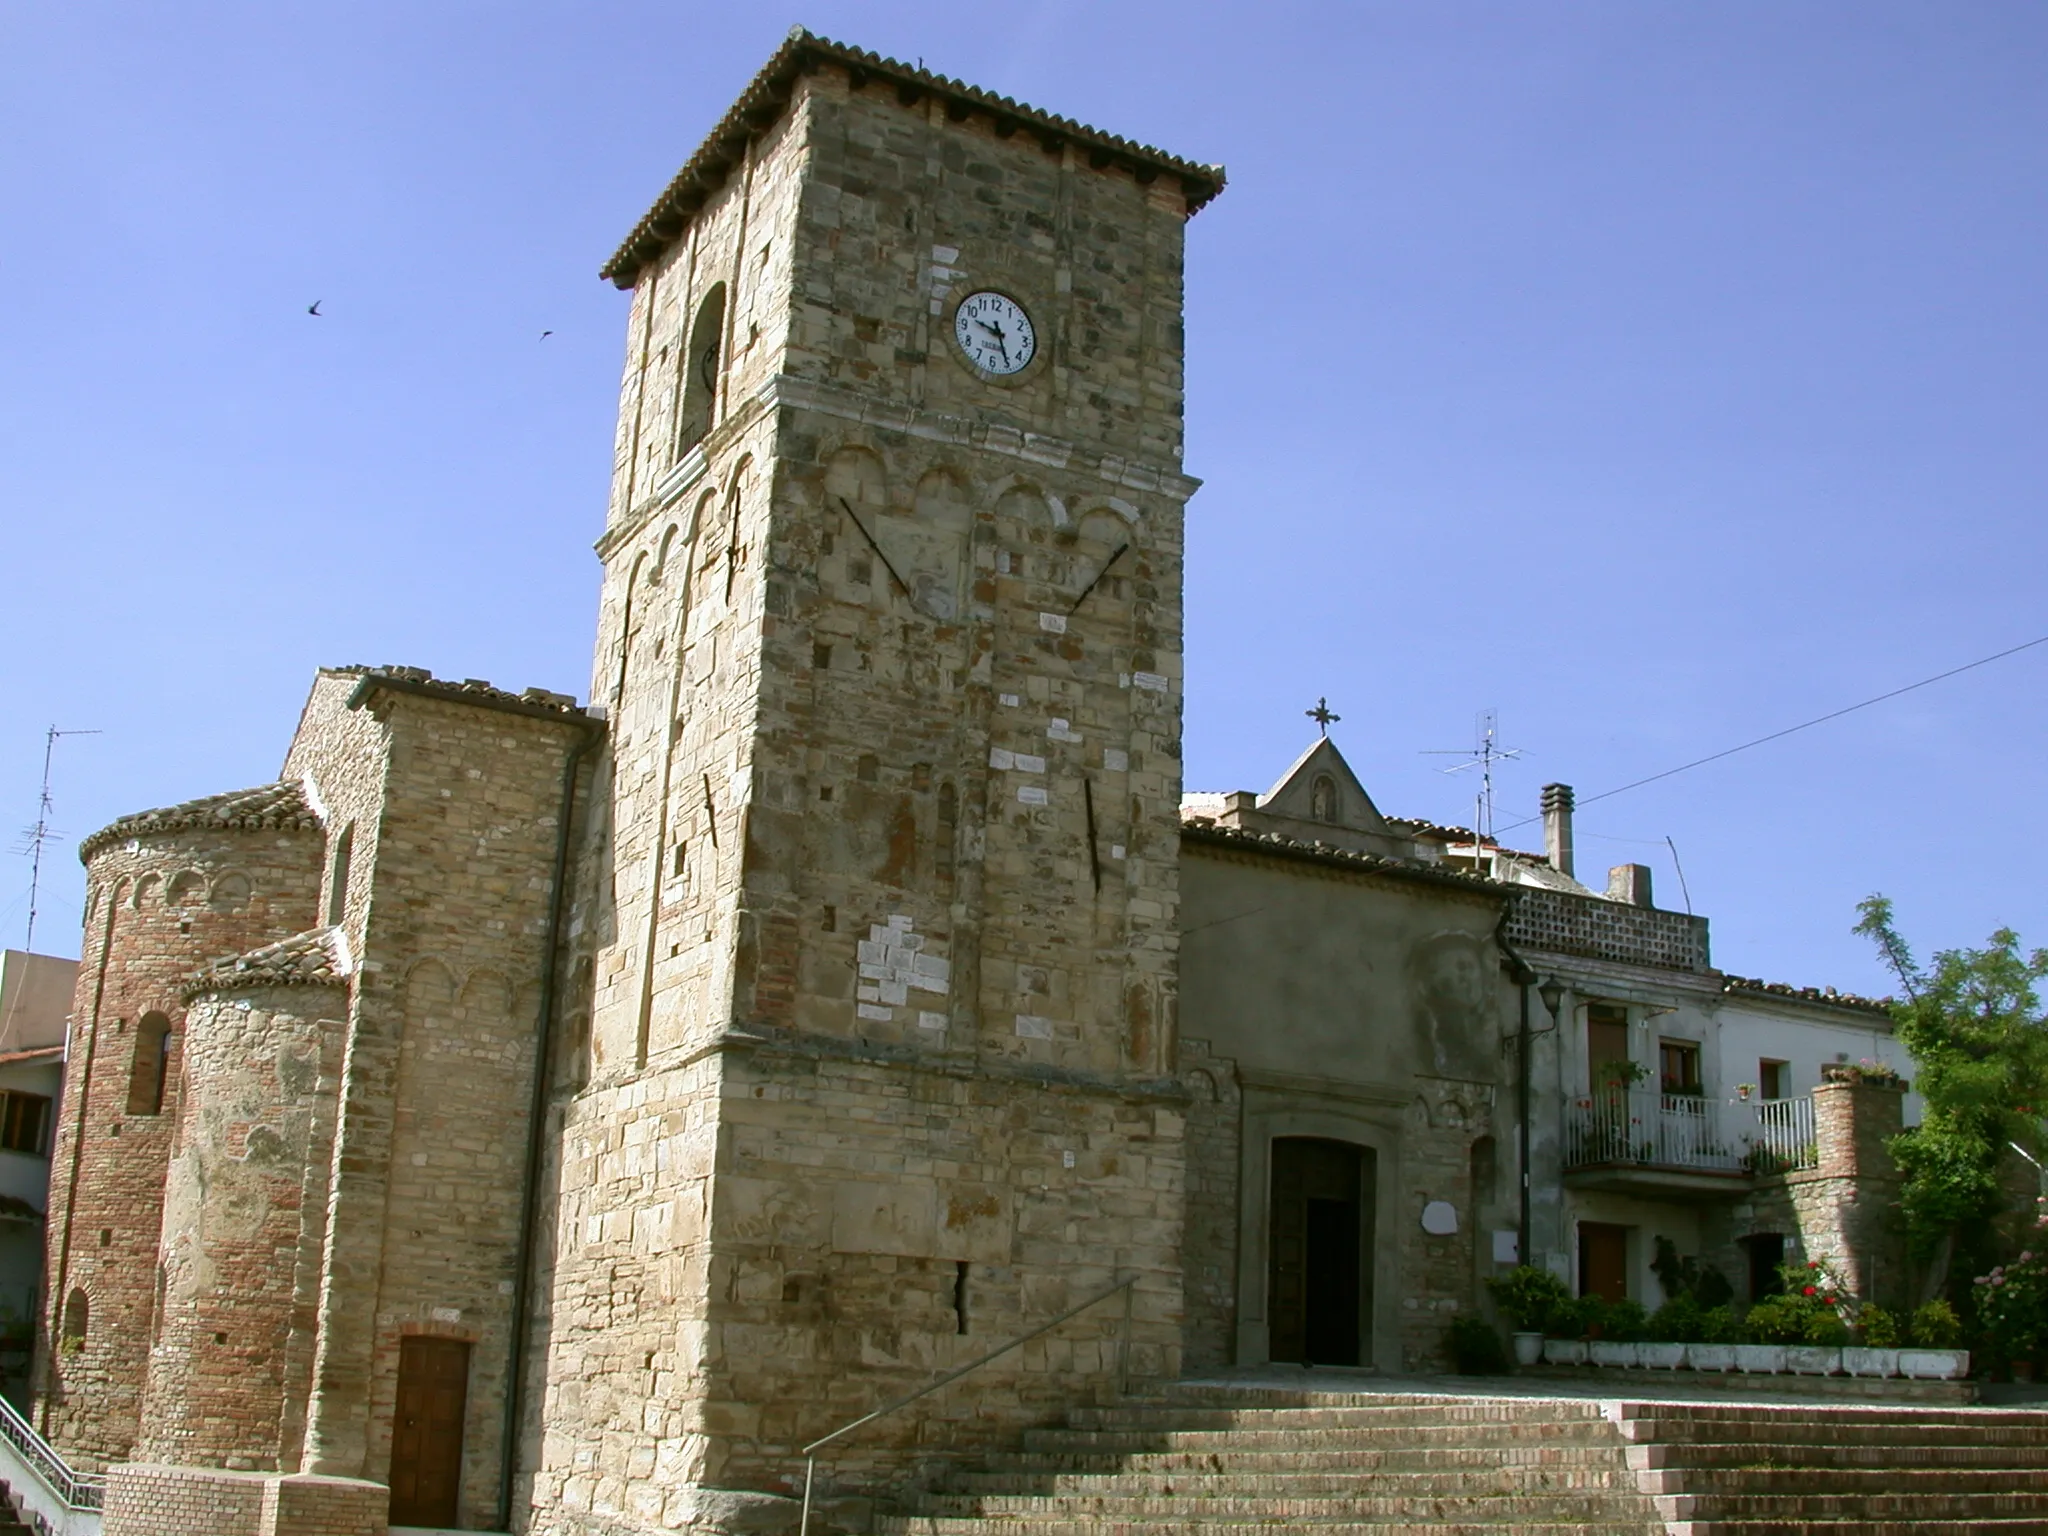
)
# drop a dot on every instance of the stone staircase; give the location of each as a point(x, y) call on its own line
point(1209, 1461)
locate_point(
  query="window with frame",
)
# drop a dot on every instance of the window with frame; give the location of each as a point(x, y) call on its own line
point(1771, 1077)
point(24, 1122)
point(1606, 1043)
point(1678, 1067)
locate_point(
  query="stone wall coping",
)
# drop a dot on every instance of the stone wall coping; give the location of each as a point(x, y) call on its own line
point(767, 97)
point(534, 703)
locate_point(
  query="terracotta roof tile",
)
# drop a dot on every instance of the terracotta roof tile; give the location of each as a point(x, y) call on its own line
point(309, 959)
point(1202, 831)
point(267, 808)
point(765, 97)
point(1825, 995)
point(471, 690)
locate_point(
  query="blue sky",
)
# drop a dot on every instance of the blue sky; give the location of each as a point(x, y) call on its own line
point(1658, 375)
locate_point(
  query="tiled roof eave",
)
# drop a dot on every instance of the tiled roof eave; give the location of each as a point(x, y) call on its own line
point(280, 807)
point(769, 94)
point(1344, 858)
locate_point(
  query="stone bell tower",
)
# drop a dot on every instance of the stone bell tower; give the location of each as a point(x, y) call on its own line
point(877, 938)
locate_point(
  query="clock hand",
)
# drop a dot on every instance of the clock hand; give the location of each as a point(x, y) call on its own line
point(1121, 551)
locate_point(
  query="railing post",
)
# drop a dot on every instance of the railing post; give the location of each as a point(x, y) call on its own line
point(810, 1468)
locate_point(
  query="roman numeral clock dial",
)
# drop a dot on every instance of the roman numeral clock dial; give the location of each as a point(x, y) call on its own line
point(995, 333)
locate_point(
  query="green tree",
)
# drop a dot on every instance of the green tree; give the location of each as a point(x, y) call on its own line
point(1973, 1023)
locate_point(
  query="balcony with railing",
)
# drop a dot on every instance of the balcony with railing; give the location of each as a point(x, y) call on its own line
point(1650, 1141)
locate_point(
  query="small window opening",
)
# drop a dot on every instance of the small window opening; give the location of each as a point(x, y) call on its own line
point(25, 1123)
point(830, 922)
point(1678, 1067)
point(77, 1314)
point(106, 1237)
point(337, 878)
point(821, 657)
point(1770, 1079)
point(680, 858)
point(699, 364)
point(151, 1069)
point(960, 1297)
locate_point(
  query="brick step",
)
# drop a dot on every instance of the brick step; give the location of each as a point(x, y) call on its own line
point(936, 1525)
point(1356, 1416)
point(1500, 1510)
point(1695, 1455)
point(1793, 1431)
point(1303, 1463)
point(1609, 1478)
point(1410, 1437)
point(1805, 1510)
point(1856, 1482)
point(1778, 1412)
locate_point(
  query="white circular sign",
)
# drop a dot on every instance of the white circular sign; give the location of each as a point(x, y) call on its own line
point(994, 332)
point(1440, 1218)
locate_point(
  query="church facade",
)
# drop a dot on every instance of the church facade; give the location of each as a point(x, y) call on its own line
point(525, 1115)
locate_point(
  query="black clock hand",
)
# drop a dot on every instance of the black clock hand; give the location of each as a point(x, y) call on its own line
point(1121, 551)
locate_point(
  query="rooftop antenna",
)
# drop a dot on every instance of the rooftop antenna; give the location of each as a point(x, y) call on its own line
point(1483, 754)
point(34, 837)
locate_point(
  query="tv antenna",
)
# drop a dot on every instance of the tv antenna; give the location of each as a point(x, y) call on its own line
point(35, 837)
point(1485, 751)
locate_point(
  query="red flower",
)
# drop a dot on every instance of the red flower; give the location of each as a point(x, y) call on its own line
point(1810, 1290)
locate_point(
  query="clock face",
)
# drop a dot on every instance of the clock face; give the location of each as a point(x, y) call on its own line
point(995, 333)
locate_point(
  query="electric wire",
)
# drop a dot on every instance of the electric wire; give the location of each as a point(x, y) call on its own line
point(1804, 725)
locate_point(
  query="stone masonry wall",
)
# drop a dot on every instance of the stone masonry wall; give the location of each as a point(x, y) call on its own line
point(156, 907)
point(1209, 1253)
point(244, 1217)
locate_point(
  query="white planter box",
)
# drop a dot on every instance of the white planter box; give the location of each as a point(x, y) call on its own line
point(1935, 1364)
point(1710, 1357)
point(1812, 1359)
point(1660, 1357)
point(1768, 1358)
point(1564, 1351)
point(1528, 1348)
point(1859, 1360)
point(1612, 1352)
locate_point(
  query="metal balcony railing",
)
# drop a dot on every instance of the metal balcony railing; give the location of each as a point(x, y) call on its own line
point(1690, 1132)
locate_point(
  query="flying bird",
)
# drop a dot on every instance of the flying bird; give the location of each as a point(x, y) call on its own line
point(544, 335)
point(314, 308)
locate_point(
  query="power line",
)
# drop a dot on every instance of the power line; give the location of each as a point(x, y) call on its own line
point(1804, 725)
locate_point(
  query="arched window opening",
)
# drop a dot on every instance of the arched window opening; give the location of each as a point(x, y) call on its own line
point(700, 364)
point(151, 1070)
point(231, 893)
point(77, 1312)
point(1322, 798)
point(337, 877)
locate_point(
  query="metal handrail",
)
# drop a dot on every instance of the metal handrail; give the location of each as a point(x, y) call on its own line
point(1123, 1365)
point(78, 1490)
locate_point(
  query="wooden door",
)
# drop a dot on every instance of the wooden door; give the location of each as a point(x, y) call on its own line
point(1603, 1260)
point(1320, 1222)
point(426, 1441)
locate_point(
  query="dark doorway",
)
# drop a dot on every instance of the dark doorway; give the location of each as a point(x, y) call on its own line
point(1603, 1261)
point(426, 1443)
point(1765, 1251)
point(1322, 1228)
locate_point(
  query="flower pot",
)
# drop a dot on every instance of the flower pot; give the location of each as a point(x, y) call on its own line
point(1860, 1360)
point(1710, 1357)
point(1660, 1357)
point(1564, 1351)
point(1528, 1348)
point(1768, 1358)
point(1613, 1352)
point(1934, 1364)
point(1812, 1359)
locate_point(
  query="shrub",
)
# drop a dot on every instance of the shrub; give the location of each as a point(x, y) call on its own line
point(1624, 1321)
point(1533, 1300)
point(1475, 1347)
point(1935, 1326)
point(1878, 1328)
point(2012, 1304)
point(1776, 1320)
point(1681, 1320)
point(1718, 1326)
point(1688, 1275)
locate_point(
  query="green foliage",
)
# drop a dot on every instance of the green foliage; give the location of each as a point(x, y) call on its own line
point(2012, 1305)
point(1935, 1326)
point(1681, 1320)
point(1879, 1329)
point(1620, 1073)
point(1718, 1326)
point(1813, 1308)
point(1476, 1348)
point(1974, 1026)
point(1533, 1300)
point(1687, 1276)
point(1624, 1321)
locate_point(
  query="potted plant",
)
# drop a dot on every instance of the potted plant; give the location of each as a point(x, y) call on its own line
point(1621, 1328)
point(1715, 1349)
point(1572, 1330)
point(1931, 1338)
point(1877, 1351)
point(1531, 1299)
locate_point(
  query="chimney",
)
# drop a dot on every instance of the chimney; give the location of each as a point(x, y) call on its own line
point(1630, 883)
point(1557, 826)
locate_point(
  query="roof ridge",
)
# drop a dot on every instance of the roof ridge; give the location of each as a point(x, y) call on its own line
point(307, 959)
